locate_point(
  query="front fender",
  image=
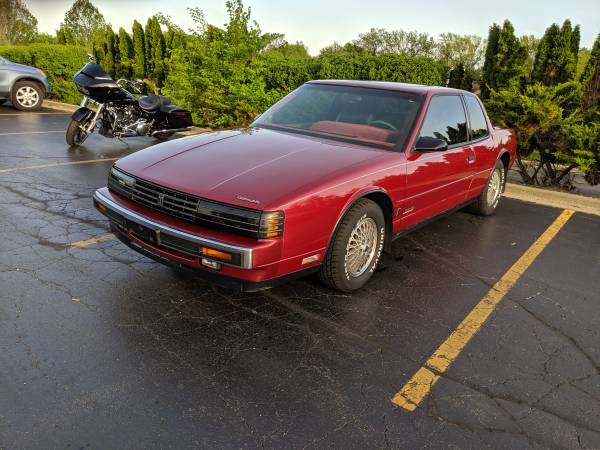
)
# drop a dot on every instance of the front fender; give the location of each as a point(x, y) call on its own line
point(82, 114)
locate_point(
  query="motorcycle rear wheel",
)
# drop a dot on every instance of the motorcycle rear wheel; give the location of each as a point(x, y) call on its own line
point(75, 135)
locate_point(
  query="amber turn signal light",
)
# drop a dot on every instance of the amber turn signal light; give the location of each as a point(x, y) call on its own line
point(212, 253)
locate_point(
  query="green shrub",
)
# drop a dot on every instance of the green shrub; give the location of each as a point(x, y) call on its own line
point(59, 62)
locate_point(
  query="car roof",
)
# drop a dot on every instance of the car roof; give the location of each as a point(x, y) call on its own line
point(392, 86)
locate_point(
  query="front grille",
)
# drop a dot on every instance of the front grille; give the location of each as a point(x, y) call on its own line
point(188, 207)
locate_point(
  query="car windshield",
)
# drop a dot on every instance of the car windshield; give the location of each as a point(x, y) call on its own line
point(374, 117)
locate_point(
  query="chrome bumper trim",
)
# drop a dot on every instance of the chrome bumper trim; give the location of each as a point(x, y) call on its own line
point(246, 253)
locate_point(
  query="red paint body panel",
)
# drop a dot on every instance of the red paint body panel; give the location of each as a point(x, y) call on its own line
point(313, 180)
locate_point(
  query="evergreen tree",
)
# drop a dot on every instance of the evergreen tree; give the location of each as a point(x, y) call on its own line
point(556, 59)
point(60, 37)
point(139, 50)
point(591, 79)
point(126, 53)
point(149, 42)
point(155, 40)
point(505, 59)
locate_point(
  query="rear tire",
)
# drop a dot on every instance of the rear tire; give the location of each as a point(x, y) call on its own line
point(355, 248)
point(488, 200)
point(27, 96)
point(75, 135)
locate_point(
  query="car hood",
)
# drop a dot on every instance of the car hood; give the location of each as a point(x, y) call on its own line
point(256, 168)
point(22, 68)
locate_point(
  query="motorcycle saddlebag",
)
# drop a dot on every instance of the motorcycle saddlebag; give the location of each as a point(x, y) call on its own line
point(176, 117)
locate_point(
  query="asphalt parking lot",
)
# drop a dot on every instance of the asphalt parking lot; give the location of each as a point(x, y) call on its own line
point(102, 348)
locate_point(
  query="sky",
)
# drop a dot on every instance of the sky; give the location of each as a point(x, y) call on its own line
point(320, 23)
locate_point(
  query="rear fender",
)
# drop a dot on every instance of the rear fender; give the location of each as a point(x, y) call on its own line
point(82, 114)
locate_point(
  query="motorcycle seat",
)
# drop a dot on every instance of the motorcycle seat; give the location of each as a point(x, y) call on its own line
point(153, 102)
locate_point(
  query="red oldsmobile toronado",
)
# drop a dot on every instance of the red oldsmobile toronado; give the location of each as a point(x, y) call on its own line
point(323, 181)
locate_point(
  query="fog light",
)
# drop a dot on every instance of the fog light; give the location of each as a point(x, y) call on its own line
point(210, 264)
point(212, 253)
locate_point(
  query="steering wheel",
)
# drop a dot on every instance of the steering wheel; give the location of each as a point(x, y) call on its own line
point(384, 123)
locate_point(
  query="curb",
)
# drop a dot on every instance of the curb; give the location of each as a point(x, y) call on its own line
point(59, 105)
point(554, 199)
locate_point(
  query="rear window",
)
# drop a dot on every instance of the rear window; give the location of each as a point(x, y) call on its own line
point(479, 127)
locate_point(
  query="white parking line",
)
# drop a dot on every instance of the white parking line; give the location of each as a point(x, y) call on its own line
point(31, 132)
point(35, 113)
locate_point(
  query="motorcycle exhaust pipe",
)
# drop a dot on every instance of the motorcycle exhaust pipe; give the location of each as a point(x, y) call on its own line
point(171, 130)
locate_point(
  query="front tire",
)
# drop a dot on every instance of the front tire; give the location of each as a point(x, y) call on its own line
point(75, 135)
point(488, 200)
point(355, 248)
point(27, 96)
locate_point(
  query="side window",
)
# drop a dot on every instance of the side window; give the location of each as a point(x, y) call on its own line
point(445, 119)
point(479, 128)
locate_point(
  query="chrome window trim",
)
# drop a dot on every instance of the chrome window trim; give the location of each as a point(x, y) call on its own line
point(246, 253)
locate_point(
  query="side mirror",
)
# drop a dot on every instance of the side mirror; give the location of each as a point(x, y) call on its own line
point(430, 144)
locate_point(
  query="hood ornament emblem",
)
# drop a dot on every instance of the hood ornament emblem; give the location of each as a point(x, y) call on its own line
point(246, 199)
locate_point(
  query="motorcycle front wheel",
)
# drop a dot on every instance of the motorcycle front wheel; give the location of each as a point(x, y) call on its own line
point(75, 135)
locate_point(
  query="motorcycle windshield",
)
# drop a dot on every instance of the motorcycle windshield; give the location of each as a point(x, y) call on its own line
point(93, 75)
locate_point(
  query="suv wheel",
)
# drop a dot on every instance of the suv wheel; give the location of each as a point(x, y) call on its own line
point(355, 249)
point(27, 96)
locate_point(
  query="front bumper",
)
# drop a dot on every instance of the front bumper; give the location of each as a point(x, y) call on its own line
point(255, 266)
point(166, 236)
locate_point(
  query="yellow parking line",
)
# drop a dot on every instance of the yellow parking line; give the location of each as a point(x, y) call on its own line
point(68, 163)
point(417, 388)
point(88, 242)
point(31, 132)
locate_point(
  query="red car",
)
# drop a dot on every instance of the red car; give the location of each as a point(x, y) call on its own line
point(322, 181)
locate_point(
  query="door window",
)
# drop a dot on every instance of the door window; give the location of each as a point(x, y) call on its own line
point(446, 120)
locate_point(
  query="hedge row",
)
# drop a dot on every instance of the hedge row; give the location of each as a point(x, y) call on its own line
point(276, 76)
point(59, 62)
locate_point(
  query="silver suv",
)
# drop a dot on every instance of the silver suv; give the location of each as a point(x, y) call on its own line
point(25, 86)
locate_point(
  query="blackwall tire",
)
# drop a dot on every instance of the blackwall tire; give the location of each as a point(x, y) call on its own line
point(75, 136)
point(488, 200)
point(355, 248)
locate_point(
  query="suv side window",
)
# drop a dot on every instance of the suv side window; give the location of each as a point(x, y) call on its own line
point(446, 119)
point(479, 127)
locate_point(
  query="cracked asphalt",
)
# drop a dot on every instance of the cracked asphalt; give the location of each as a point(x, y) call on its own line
point(103, 348)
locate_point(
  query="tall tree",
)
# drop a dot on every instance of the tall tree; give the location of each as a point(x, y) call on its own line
point(591, 79)
point(155, 51)
point(126, 53)
point(17, 24)
point(505, 59)
point(84, 20)
point(454, 49)
point(556, 58)
point(149, 42)
point(139, 50)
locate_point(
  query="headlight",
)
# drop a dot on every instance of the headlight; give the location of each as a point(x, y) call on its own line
point(271, 224)
point(123, 179)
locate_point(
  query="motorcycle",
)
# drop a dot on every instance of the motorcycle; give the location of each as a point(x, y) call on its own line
point(118, 113)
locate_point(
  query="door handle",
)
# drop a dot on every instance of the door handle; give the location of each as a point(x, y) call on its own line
point(471, 158)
